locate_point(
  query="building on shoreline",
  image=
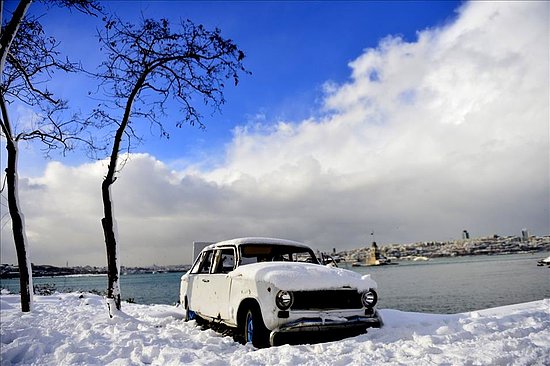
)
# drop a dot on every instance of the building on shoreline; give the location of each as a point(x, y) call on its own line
point(464, 247)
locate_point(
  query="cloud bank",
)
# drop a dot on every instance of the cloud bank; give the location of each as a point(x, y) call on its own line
point(425, 139)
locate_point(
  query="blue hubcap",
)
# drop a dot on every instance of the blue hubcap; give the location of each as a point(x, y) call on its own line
point(249, 327)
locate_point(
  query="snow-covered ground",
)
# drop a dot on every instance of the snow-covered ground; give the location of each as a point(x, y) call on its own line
point(74, 329)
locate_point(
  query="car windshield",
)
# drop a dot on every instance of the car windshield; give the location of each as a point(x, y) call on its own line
point(253, 253)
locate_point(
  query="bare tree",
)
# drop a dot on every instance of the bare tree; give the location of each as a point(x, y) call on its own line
point(149, 68)
point(27, 60)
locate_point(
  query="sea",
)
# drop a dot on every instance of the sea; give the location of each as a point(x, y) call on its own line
point(440, 285)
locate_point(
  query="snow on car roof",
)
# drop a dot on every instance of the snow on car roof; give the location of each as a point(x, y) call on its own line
point(258, 240)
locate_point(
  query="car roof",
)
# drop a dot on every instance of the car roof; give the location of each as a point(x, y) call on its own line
point(257, 240)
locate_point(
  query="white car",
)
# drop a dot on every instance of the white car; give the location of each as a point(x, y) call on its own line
point(274, 291)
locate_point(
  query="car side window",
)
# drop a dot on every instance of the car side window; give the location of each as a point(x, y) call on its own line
point(197, 264)
point(224, 261)
point(205, 263)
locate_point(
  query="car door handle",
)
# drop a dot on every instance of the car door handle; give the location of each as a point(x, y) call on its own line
point(205, 280)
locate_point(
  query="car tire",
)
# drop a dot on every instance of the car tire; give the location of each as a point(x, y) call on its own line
point(185, 310)
point(253, 329)
point(189, 315)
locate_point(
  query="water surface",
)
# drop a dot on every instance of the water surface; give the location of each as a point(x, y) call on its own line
point(442, 285)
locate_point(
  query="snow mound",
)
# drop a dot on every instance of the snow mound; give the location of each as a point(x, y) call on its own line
point(75, 329)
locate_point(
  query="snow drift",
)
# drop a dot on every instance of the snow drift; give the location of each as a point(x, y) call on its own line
point(75, 329)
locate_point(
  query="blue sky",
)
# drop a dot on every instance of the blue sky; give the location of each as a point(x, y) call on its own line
point(293, 48)
point(412, 120)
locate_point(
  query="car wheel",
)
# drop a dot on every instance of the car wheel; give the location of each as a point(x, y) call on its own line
point(189, 315)
point(253, 328)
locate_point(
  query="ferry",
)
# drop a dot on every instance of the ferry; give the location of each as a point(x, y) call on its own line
point(545, 261)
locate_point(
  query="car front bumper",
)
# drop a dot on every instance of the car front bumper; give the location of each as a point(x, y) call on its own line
point(314, 330)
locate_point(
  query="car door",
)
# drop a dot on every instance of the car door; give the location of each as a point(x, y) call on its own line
point(199, 283)
point(220, 282)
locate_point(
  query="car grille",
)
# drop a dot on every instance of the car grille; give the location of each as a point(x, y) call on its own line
point(326, 300)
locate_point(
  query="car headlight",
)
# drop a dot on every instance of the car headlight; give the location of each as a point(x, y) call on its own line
point(369, 298)
point(283, 299)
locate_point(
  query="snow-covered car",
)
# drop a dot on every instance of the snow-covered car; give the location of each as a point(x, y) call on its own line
point(274, 291)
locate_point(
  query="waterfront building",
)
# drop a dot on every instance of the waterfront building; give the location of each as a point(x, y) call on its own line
point(524, 235)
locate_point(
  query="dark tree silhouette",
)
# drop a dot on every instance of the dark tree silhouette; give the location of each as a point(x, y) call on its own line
point(148, 68)
point(27, 60)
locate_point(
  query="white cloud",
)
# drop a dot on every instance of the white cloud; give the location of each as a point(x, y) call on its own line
point(427, 138)
point(454, 125)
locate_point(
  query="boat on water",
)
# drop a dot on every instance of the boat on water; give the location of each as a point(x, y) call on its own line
point(421, 258)
point(415, 258)
point(545, 261)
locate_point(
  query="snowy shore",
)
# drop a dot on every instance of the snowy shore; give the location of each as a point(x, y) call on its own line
point(74, 329)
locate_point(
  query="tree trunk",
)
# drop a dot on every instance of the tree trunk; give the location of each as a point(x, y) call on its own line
point(18, 228)
point(17, 218)
point(109, 231)
point(12, 179)
point(108, 222)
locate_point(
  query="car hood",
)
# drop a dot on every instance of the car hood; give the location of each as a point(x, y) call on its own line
point(303, 276)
